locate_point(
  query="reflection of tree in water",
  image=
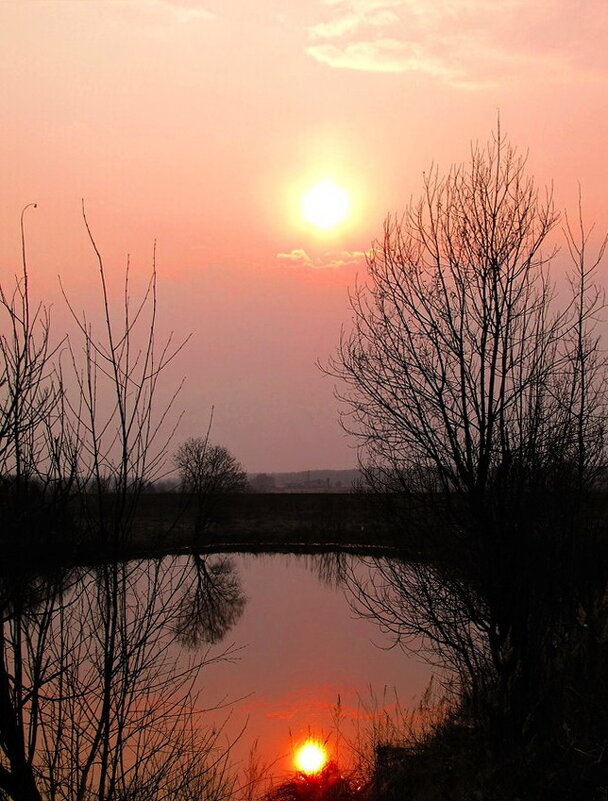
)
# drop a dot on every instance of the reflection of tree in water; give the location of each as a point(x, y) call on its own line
point(96, 700)
point(332, 568)
point(24, 588)
point(213, 602)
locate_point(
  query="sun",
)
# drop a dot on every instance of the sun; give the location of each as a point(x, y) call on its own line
point(325, 205)
point(311, 757)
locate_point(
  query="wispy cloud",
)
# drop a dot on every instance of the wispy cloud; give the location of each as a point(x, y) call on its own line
point(307, 701)
point(471, 43)
point(328, 260)
point(190, 9)
point(379, 55)
point(296, 257)
point(187, 10)
point(372, 15)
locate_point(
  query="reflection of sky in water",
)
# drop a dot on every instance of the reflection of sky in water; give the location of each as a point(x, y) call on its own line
point(302, 647)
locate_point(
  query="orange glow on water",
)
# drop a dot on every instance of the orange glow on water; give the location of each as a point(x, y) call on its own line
point(311, 757)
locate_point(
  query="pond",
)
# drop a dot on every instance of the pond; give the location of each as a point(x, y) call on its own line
point(301, 649)
point(131, 680)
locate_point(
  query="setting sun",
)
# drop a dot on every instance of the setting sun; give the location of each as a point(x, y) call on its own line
point(310, 757)
point(326, 205)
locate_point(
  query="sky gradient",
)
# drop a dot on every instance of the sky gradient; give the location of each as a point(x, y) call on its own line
point(200, 124)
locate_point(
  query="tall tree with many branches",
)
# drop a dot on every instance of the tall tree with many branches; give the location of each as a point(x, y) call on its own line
point(480, 409)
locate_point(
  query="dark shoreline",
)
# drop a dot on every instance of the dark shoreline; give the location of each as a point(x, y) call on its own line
point(164, 525)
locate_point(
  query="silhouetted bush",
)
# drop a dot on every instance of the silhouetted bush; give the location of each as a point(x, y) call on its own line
point(327, 785)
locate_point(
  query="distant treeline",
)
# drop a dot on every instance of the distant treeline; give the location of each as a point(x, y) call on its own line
point(301, 481)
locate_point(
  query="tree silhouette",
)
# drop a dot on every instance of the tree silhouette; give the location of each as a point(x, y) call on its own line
point(208, 472)
point(95, 699)
point(327, 785)
point(213, 603)
point(480, 409)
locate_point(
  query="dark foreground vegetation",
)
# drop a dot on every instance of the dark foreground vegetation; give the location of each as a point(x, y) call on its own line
point(95, 700)
point(464, 378)
point(329, 784)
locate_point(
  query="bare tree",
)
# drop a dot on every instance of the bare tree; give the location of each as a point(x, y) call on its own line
point(206, 468)
point(94, 699)
point(208, 472)
point(453, 339)
point(480, 408)
point(121, 431)
point(36, 465)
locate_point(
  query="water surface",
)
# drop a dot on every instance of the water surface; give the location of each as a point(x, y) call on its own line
point(132, 679)
point(301, 648)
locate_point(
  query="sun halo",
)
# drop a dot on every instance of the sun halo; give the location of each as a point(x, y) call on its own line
point(311, 757)
point(326, 205)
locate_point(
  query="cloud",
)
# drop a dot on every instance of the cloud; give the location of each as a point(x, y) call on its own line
point(379, 55)
point(330, 260)
point(377, 15)
point(188, 10)
point(472, 43)
point(172, 11)
point(307, 701)
point(296, 257)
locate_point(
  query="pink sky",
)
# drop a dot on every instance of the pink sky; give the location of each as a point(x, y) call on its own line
point(199, 123)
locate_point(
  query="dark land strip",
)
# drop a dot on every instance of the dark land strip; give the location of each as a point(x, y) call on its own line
point(165, 524)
